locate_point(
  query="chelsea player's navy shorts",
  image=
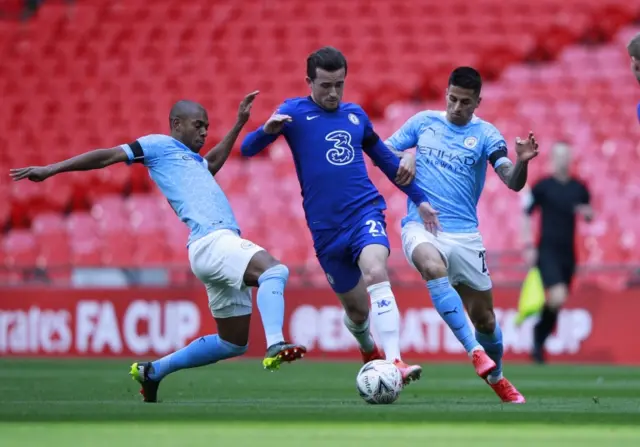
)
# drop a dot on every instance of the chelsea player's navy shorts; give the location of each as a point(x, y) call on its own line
point(338, 250)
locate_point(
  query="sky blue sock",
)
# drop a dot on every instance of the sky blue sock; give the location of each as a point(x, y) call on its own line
point(449, 305)
point(271, 302)
point(492, 344)
point(201, 351)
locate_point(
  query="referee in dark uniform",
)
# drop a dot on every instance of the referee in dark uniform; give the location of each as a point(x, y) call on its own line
point(633, 48)
point(560, 198)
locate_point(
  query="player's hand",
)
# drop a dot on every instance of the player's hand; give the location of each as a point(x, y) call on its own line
point(526, 149)
point(430, 218)
point(33, 173)
point(530, 256)
point(276, 123)
point(585, 211)
point(407, 170)
point(244, 110)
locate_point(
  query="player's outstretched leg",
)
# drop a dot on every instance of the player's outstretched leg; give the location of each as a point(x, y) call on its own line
point(202, 351)
point(479, 304)
point(385, 314)
point(429, 262)
point(271, 278)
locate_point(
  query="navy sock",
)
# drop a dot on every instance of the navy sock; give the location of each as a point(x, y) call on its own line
point(492, 344)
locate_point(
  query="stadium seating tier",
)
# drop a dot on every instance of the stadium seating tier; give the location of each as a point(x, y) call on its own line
point(81, 77)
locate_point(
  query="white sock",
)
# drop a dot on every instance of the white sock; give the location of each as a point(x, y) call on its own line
point(361, 332)
point(386, 318)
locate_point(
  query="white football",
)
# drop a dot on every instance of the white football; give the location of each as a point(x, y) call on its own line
point(379, 382)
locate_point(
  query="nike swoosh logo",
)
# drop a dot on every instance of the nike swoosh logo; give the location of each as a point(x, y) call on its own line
point(309, 118)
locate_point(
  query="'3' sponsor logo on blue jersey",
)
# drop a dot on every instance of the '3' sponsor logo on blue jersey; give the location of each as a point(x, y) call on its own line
point(342, 153)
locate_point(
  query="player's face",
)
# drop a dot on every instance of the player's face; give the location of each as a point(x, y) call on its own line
point(461, 103)
point(192, 130)
point(327, 88)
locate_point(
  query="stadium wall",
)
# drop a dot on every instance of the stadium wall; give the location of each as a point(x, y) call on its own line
point(147, 322)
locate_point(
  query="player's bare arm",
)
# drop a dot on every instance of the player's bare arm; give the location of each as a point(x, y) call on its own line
point(407, 169)
point(515, 176)
point(217, 156)
point(96, 159)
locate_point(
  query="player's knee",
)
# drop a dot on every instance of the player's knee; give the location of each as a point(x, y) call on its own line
point(234, 350)
point(432, 268)
point(234, 330)
point(232, 345)
point(375, 274)
point(484, 320)
point(278, 271)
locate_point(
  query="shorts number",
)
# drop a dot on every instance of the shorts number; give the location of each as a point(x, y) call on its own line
point(482, 256)
point(376, 228)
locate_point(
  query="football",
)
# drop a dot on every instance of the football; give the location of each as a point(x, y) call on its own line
point(379, 382)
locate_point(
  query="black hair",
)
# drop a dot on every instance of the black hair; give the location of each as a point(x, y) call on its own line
point(326, 58)
point(634, 47)
point(466, 77)
point(182, 109)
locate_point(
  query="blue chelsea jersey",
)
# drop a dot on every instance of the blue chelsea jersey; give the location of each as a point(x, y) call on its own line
point(328, 155)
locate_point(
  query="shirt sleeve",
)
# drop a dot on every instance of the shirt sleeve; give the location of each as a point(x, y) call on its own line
point(495, 147)
point(258, 140)
point(585, 196)
point(388, 163)
point(407, 136)
point(143, 150)
point(533, 198)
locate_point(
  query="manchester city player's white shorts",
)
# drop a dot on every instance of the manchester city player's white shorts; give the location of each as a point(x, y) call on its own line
point(220, 260)
point(463, 254)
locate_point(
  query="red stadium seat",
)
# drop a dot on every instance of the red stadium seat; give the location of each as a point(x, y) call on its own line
point(55, 256)
point(49, 223)
point(20, 249)
point(74, 82)
point(151, 249)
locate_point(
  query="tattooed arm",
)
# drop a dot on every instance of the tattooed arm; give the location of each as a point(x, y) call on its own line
point(514, 176)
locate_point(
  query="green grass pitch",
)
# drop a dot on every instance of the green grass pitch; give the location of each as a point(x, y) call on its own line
point(95, 403)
